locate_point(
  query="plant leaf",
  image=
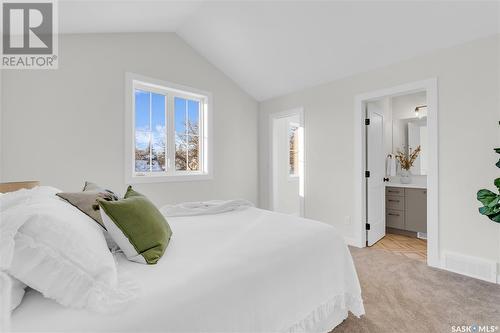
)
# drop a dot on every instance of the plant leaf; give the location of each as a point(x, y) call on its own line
point(485, 210)
point(498, 164)
point(497, 183)
point(486, 196)
point(495, 218)
point(497, 150)
point(494, 202)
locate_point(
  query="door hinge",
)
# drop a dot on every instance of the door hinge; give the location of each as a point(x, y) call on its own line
point(367, 174)
point(367, 122)
point(368, 226)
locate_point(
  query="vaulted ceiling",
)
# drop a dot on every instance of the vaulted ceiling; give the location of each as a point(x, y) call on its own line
point(273, 48)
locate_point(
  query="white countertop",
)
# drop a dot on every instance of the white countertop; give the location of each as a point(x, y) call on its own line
point(405, 185)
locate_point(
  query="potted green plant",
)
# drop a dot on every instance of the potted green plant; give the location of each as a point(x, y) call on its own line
point(490, 199)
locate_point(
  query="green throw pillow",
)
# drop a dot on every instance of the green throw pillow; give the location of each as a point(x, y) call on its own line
point(137, 226)
point(131, 193)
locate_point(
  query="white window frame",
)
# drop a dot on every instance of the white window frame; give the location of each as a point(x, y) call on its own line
point(171, 90)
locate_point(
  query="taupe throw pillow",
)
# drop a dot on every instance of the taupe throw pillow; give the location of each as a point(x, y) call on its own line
point(86, 201)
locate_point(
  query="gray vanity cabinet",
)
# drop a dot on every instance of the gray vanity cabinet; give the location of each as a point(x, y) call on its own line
point(406, 208)
point(416, 209)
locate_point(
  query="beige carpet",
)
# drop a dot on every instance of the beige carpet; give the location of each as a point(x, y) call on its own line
point(404, 295)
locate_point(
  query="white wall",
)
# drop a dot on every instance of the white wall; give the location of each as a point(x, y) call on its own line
point(469, 110)
point(403, 107)
point(385, 104)
point(65, 126)
point(1, 122)
point(286, 198)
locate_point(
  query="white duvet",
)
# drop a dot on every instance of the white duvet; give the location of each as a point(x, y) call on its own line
point(246, 270)
point(54, 248)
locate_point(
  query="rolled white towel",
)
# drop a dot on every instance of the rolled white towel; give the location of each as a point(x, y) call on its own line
point(393, 167)
point(390, 166)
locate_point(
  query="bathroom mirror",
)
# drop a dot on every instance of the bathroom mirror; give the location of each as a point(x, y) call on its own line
point(409, 128)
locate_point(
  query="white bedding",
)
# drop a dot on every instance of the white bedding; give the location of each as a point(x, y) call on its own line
point(204, 207)
point(242, 271)
point(52, 247)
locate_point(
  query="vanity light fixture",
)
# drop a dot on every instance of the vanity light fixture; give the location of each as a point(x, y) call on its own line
point(417, 110)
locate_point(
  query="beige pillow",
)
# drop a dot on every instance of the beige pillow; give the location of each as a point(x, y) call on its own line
point(86, 201)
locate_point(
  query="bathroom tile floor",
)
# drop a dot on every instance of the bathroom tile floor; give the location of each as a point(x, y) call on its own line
point(413, 248)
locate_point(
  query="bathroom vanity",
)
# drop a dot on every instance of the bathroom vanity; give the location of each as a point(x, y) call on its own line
point(406, 207)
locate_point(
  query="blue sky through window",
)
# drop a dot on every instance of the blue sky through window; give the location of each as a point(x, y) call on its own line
point(186, 148)
point(142, 105)
point(192, 113)
point(141, 110)
point(150, 130)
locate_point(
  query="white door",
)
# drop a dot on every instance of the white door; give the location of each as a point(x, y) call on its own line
point(375, 164)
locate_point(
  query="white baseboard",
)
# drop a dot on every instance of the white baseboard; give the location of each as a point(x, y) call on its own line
point(351, 241)
point(478, 268)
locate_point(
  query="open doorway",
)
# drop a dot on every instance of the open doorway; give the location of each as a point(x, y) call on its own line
point(398, 186)
point(287, 157)
point(396, 149)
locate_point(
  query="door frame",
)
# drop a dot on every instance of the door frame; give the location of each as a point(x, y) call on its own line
point(271, 184)
point(430, 86)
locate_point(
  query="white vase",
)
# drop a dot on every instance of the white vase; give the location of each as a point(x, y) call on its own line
point(405, 176)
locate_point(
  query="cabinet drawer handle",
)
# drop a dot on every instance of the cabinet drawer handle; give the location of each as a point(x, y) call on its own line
point(391, 214)
point(393, 200)
point(392, 191)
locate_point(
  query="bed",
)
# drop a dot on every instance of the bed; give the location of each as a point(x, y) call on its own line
point(247, 270)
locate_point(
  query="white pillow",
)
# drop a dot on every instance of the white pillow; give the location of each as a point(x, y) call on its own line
point(61, 252)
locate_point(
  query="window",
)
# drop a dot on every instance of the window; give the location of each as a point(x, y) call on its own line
point(187, 134)
point(293, 149)
point(167, 128)
point(150, 131)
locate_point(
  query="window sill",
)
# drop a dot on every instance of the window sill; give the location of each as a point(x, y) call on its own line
point(167, 179)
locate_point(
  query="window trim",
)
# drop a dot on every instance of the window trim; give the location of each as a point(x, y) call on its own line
point(131, 81)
